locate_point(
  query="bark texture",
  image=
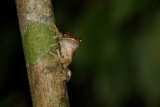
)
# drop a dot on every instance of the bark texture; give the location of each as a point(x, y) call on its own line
point(38, 32)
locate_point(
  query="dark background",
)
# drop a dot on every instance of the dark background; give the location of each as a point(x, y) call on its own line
point(117, 64)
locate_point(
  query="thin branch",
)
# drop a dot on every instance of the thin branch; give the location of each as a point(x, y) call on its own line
point(45, 71)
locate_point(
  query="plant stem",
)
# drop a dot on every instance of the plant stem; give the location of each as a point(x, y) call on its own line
point(38, 32)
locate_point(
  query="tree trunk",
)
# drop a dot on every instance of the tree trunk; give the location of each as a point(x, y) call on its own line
point(45, 71)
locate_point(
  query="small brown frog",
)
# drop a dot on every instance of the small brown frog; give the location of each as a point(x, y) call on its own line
point(68, 45)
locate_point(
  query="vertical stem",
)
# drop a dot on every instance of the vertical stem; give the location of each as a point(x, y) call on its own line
point(38, 32)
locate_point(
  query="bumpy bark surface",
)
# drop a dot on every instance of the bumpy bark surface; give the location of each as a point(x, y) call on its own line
point(38, 32)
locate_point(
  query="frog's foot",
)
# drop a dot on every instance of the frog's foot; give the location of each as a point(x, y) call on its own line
point(67, 73)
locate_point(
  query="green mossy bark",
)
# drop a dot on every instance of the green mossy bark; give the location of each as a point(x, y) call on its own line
point(37, 40)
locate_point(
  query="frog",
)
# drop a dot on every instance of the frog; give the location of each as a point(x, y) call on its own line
point(68, 45)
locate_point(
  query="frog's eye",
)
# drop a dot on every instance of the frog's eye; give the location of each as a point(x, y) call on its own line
point(79, 39)
point(67, 35)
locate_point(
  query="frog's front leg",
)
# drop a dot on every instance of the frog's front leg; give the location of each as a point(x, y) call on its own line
point(67, 72)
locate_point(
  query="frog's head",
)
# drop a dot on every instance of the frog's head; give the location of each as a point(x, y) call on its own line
point(69, 42)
